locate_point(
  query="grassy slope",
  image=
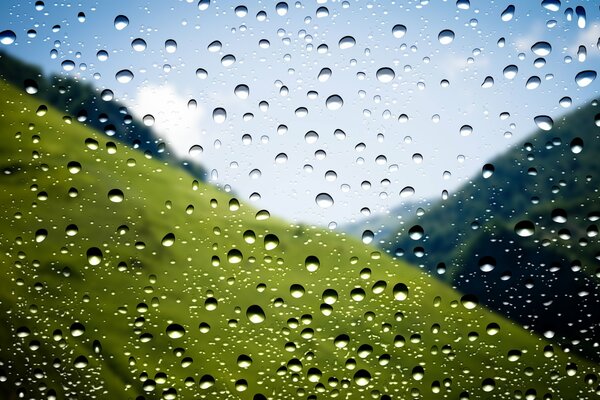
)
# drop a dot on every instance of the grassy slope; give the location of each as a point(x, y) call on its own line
point(48, 286)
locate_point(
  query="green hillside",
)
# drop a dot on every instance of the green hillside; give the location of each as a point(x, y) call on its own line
point(125, 279)
point(547, 281)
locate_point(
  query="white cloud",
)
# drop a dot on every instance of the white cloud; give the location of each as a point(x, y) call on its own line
point(175, 123)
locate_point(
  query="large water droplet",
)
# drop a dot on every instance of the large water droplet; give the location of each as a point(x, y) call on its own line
point(508, 13)
point(116, 195)
point(7, 37)
point(219, 115)
point(255, 314)
point(121, 22)
point(334, 102)
point(242, 91)
point(385, 75)
point(124, 76)
point(524, 228)
point(399, 31)
point(446, 36)
point(175, 331)
point(541, 49)
point(346, 42)
point(585, 78)
point(94, 256)
point(324, 200)
point(544, 122)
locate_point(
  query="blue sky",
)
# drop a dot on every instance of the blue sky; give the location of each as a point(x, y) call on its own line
point(382, 152)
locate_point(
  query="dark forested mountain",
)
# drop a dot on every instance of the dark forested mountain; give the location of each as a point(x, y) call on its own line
point(91, 107)
point(523, 236)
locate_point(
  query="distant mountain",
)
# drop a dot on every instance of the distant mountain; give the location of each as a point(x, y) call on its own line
point(380, 224)
point(92, 107)
point(125, 279)
point(523, 236)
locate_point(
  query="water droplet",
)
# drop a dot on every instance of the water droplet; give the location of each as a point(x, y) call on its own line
point(324, 75)
point(255, 314)
point(581, 17)
point(577, 145)
point(362, 377)
point(487, 171)
point(242, 91)
point(94, 256)
point(168, 240)
point(116, 195)
point(311, 137)
point(80, 362)
point(488, 385)
point(541, 49)
point(334, 102)
point(234, 256)
point(508, 13)
point(407, 192)
point(41, 235)
point(510, 71)
point(148, 120)
point(487, 264)
point(203, 6)
point(551, 5)
point(584, 78)
point(170, 46)
point(228, 60)
point(214, 46)
point(121, 22)
point(312, 263)
point(524, 228)
point(400, 291)
point(446, 36)
point(367, 236)
point(418, 373)
point(346, 42)
point(219, 115)
point(399, 31)
point(7, 37)
point(469, 301)
point(466, 130)
point(385, 75)
point(463, 4)
point(124, 76)
point(271, 241)
point(281, 8)
point(544, 122)
point(31, 86)
point(533, 82)
point(175, 331)
point(138, 44)
point(324, 200)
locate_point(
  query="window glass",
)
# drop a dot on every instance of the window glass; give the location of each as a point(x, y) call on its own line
point(299, 199)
